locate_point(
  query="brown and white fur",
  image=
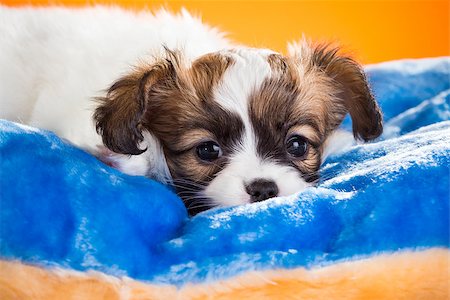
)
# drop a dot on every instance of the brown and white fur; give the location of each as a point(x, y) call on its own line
point(189, 92)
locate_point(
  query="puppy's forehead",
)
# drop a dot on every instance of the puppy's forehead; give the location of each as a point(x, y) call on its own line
point(227, 79)
point(248, 71)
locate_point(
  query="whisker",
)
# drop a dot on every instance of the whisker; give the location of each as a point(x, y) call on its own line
point(186, 188)
point(199, 206)
point(189, 182)
point(186, 184)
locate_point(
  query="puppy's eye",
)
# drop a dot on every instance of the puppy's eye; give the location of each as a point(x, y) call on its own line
point(209, 151)
point(297, 146)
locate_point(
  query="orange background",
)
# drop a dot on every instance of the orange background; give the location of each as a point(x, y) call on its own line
point(373, 30)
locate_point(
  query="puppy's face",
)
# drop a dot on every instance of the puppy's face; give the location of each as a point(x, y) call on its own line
point(239, 126)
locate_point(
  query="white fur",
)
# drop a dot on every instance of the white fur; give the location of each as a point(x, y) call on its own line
point(54, 61)
point(228, 187)
point(151, 163)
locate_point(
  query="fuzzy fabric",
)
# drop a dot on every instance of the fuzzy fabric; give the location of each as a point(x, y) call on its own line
point(60, 207)
point(404, 275)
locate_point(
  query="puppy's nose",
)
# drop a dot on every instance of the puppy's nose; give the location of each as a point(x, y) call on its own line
point(261, 189)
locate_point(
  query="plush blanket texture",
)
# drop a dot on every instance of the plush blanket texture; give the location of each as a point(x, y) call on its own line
point(376, 226)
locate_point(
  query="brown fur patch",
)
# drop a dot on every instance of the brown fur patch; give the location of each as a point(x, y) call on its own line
point(206, 72)
point(181, 113)
point(119, 116)
point(290, 100)
point(278, 63)
point(175, 103)
point(313, 91)
point(167, 99)
point(353, 89)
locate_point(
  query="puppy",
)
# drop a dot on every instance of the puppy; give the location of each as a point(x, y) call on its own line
point(225, 125)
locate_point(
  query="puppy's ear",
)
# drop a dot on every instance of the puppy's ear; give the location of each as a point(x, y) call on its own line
point(353, 88)
point(119, 117)
point(367, 120)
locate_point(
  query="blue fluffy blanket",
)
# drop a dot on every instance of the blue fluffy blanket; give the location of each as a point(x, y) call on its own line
point(60, 206)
